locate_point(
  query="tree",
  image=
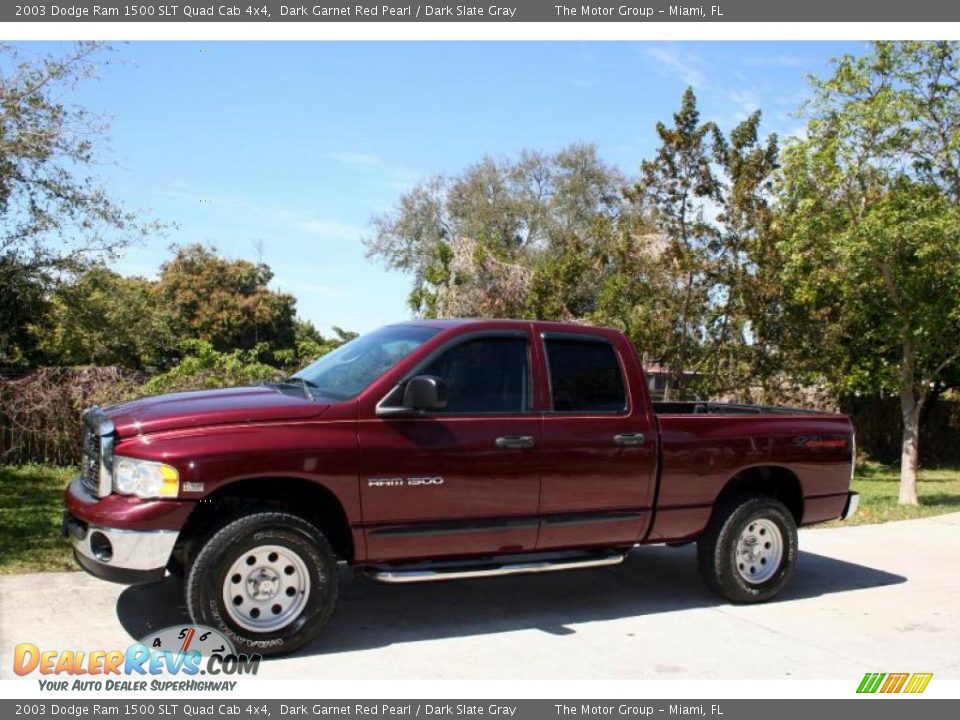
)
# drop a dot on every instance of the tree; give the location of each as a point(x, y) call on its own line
point(744, 322)
point(473, 242)
point(870, 215)
point(203, 367)
point(103, 318)
point(205, 312)
point(629, 276)
point(54, 218)
point(22, 300)
point(680, 186)
point(226, 303)
point(309, 344)
point(683, 261)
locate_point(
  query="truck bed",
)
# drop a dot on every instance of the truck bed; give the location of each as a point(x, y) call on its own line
point(703, 444)
point(701, 407)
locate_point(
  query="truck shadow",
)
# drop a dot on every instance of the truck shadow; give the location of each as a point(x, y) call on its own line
point(370, 615)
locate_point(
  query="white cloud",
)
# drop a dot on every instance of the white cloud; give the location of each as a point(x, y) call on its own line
point(355, 158)
point(316, 290)
point(330, 229)
point(274, 217)
point(673, 61)
point(775, 60)
point(746, 101)
point(394, 176)
point(798, 132)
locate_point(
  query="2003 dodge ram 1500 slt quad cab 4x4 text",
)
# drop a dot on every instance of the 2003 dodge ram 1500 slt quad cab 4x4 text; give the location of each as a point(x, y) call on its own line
point(434, 450)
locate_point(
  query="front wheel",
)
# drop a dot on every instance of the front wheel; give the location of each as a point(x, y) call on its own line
point(267, 580)
point(749, 549)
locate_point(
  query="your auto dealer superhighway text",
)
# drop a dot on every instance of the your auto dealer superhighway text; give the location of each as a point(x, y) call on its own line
point(419, 710)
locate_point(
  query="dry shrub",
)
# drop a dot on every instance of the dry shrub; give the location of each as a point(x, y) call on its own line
point(482, 285)
point(40, 412)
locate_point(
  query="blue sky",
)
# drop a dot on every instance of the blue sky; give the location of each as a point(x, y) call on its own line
point(295, 145)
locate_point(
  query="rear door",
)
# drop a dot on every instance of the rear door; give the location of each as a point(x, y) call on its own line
point(462, 481)
point(599, 444)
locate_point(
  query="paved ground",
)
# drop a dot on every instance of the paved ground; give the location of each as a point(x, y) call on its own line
point(881, 597)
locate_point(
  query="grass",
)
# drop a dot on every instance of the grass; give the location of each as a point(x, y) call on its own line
point(938, 491)
point(31, 497)
point(30, 500)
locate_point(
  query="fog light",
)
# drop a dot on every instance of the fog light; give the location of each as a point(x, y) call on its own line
point(100, 546)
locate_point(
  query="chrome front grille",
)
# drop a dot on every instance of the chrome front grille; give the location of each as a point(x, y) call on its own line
point(90, 462)
point(97, 461)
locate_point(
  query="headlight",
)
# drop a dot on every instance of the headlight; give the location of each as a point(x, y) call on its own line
point(144, 478)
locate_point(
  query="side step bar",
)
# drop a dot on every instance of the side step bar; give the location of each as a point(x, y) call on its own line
point(517, 565)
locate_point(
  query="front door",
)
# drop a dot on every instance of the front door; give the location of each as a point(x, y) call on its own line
point(462, 481)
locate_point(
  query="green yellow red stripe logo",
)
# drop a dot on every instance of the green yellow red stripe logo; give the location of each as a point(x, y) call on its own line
point(894, 682)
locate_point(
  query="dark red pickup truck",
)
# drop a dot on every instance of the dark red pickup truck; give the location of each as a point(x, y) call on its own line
point(435, 450)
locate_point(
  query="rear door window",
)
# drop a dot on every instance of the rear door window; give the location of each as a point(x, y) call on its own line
point(585, 376)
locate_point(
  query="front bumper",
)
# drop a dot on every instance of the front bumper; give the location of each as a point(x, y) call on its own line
point(850, 509)
point(121, 555)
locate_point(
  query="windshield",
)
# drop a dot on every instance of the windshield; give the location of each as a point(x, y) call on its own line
point(348, 370)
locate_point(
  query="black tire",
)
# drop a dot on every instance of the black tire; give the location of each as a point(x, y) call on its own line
point(206, 576)
point(717, 556)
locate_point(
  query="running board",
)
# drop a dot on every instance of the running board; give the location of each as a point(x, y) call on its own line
point(463, 570)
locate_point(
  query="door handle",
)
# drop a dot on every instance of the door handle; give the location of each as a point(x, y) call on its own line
point(629, 439)
point(514, 442)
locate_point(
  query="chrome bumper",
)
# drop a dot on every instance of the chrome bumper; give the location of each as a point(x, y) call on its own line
point(850, 509)
point(127, 556)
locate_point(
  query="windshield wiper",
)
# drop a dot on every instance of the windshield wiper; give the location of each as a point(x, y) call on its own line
point(303, 383)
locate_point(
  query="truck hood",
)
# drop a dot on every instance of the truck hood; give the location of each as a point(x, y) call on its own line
point(211, 407)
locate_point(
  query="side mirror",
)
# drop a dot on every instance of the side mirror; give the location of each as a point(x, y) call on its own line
point(422, 393)
point(425, 392)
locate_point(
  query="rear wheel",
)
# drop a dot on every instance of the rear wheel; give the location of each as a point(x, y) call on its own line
point(267, 580)
point(749, 549)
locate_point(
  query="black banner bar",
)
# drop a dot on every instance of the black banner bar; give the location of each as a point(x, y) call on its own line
point(502, 11)
point(171, 708)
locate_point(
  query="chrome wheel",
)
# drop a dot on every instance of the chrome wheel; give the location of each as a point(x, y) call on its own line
point(759, 551)
point(266, 588)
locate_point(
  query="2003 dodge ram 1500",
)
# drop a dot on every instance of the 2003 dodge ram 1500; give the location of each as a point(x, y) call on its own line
point(435, 450)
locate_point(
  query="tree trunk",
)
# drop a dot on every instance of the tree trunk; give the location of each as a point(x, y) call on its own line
point(910, 451)
point(910, 407)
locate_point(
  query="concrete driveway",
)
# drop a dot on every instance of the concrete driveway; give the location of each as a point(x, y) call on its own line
point(881, 597)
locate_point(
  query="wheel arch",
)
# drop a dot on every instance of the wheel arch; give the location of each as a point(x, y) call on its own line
point(774, 481)
point(304, 498)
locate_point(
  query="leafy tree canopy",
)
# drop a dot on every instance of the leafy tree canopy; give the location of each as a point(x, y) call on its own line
point(55, 216)
point(871, 227)
point(471, 241)
point(103, 318)
point(225, 302)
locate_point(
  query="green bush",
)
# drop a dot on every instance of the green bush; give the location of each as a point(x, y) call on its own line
point(203, 367)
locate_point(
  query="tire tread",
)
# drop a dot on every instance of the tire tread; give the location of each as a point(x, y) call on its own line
point(239, 527)
point(720, 537)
